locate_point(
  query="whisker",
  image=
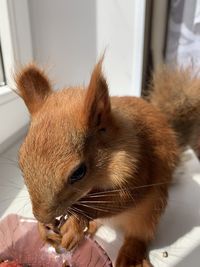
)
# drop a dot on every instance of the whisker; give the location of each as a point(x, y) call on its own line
point(125, 189)
point(129, 188)
point(78, 211)
point(22, 209)
point(96, 201)
point(8, 186)
point(11, 160)
point(102, 195)
point(73, 213)
point(12, 197)
point(119, 208)
point(95, 208)
point(10, 164)
point(105, 192)
point(81, 213)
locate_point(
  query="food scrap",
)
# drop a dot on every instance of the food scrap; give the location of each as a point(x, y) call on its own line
point(8, 263)
point(165, 254)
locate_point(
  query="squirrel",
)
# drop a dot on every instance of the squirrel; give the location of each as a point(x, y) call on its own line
point(93, 156)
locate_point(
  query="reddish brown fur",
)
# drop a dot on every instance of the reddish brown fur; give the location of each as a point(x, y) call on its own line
point(127, 145)
point(176, 92)
point(34, 87)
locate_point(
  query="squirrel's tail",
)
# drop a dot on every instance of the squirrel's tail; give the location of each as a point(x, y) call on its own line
point(177, 94)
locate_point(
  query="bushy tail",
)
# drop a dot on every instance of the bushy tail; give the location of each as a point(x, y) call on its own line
point(177, 94)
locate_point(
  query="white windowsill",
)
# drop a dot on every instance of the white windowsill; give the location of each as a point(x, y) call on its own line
point(6, 94)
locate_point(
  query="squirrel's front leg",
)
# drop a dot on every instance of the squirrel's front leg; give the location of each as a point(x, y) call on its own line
point(133, 253)
point(73, 231)
point(139, 224)
point(67, 235)
point(48, 235)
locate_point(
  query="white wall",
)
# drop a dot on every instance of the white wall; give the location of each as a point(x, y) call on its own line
point(64, 38)
point(69, 36)
point(115, 30)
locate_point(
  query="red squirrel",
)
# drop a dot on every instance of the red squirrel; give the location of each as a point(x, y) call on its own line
point(93, 156)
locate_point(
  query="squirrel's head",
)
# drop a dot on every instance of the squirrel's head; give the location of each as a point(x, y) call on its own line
point(68, 150)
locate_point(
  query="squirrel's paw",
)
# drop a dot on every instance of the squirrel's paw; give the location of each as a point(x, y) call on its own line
point(49, 235)
point(132, 254)
point(73, 231)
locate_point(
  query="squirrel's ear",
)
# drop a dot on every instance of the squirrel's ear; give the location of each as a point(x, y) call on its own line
point(33, 86)
point(97, 101)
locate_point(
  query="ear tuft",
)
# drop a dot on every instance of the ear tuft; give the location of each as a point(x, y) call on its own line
point(33, 86)
point(97, 101)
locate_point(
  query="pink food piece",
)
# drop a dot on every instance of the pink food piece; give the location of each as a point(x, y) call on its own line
point(10, 264)
point(90, 254)
point(20, 241)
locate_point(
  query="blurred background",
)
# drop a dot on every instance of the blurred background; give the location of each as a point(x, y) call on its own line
point(67, 37)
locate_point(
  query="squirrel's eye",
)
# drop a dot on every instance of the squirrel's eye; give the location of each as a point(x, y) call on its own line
point(78, 174)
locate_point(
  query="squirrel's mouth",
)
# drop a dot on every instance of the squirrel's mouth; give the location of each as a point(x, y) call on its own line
point(74, 209)
point(59, 221)
point(57, 224)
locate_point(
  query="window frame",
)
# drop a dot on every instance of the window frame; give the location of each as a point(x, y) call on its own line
point(16, 43)
point(14, 29)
